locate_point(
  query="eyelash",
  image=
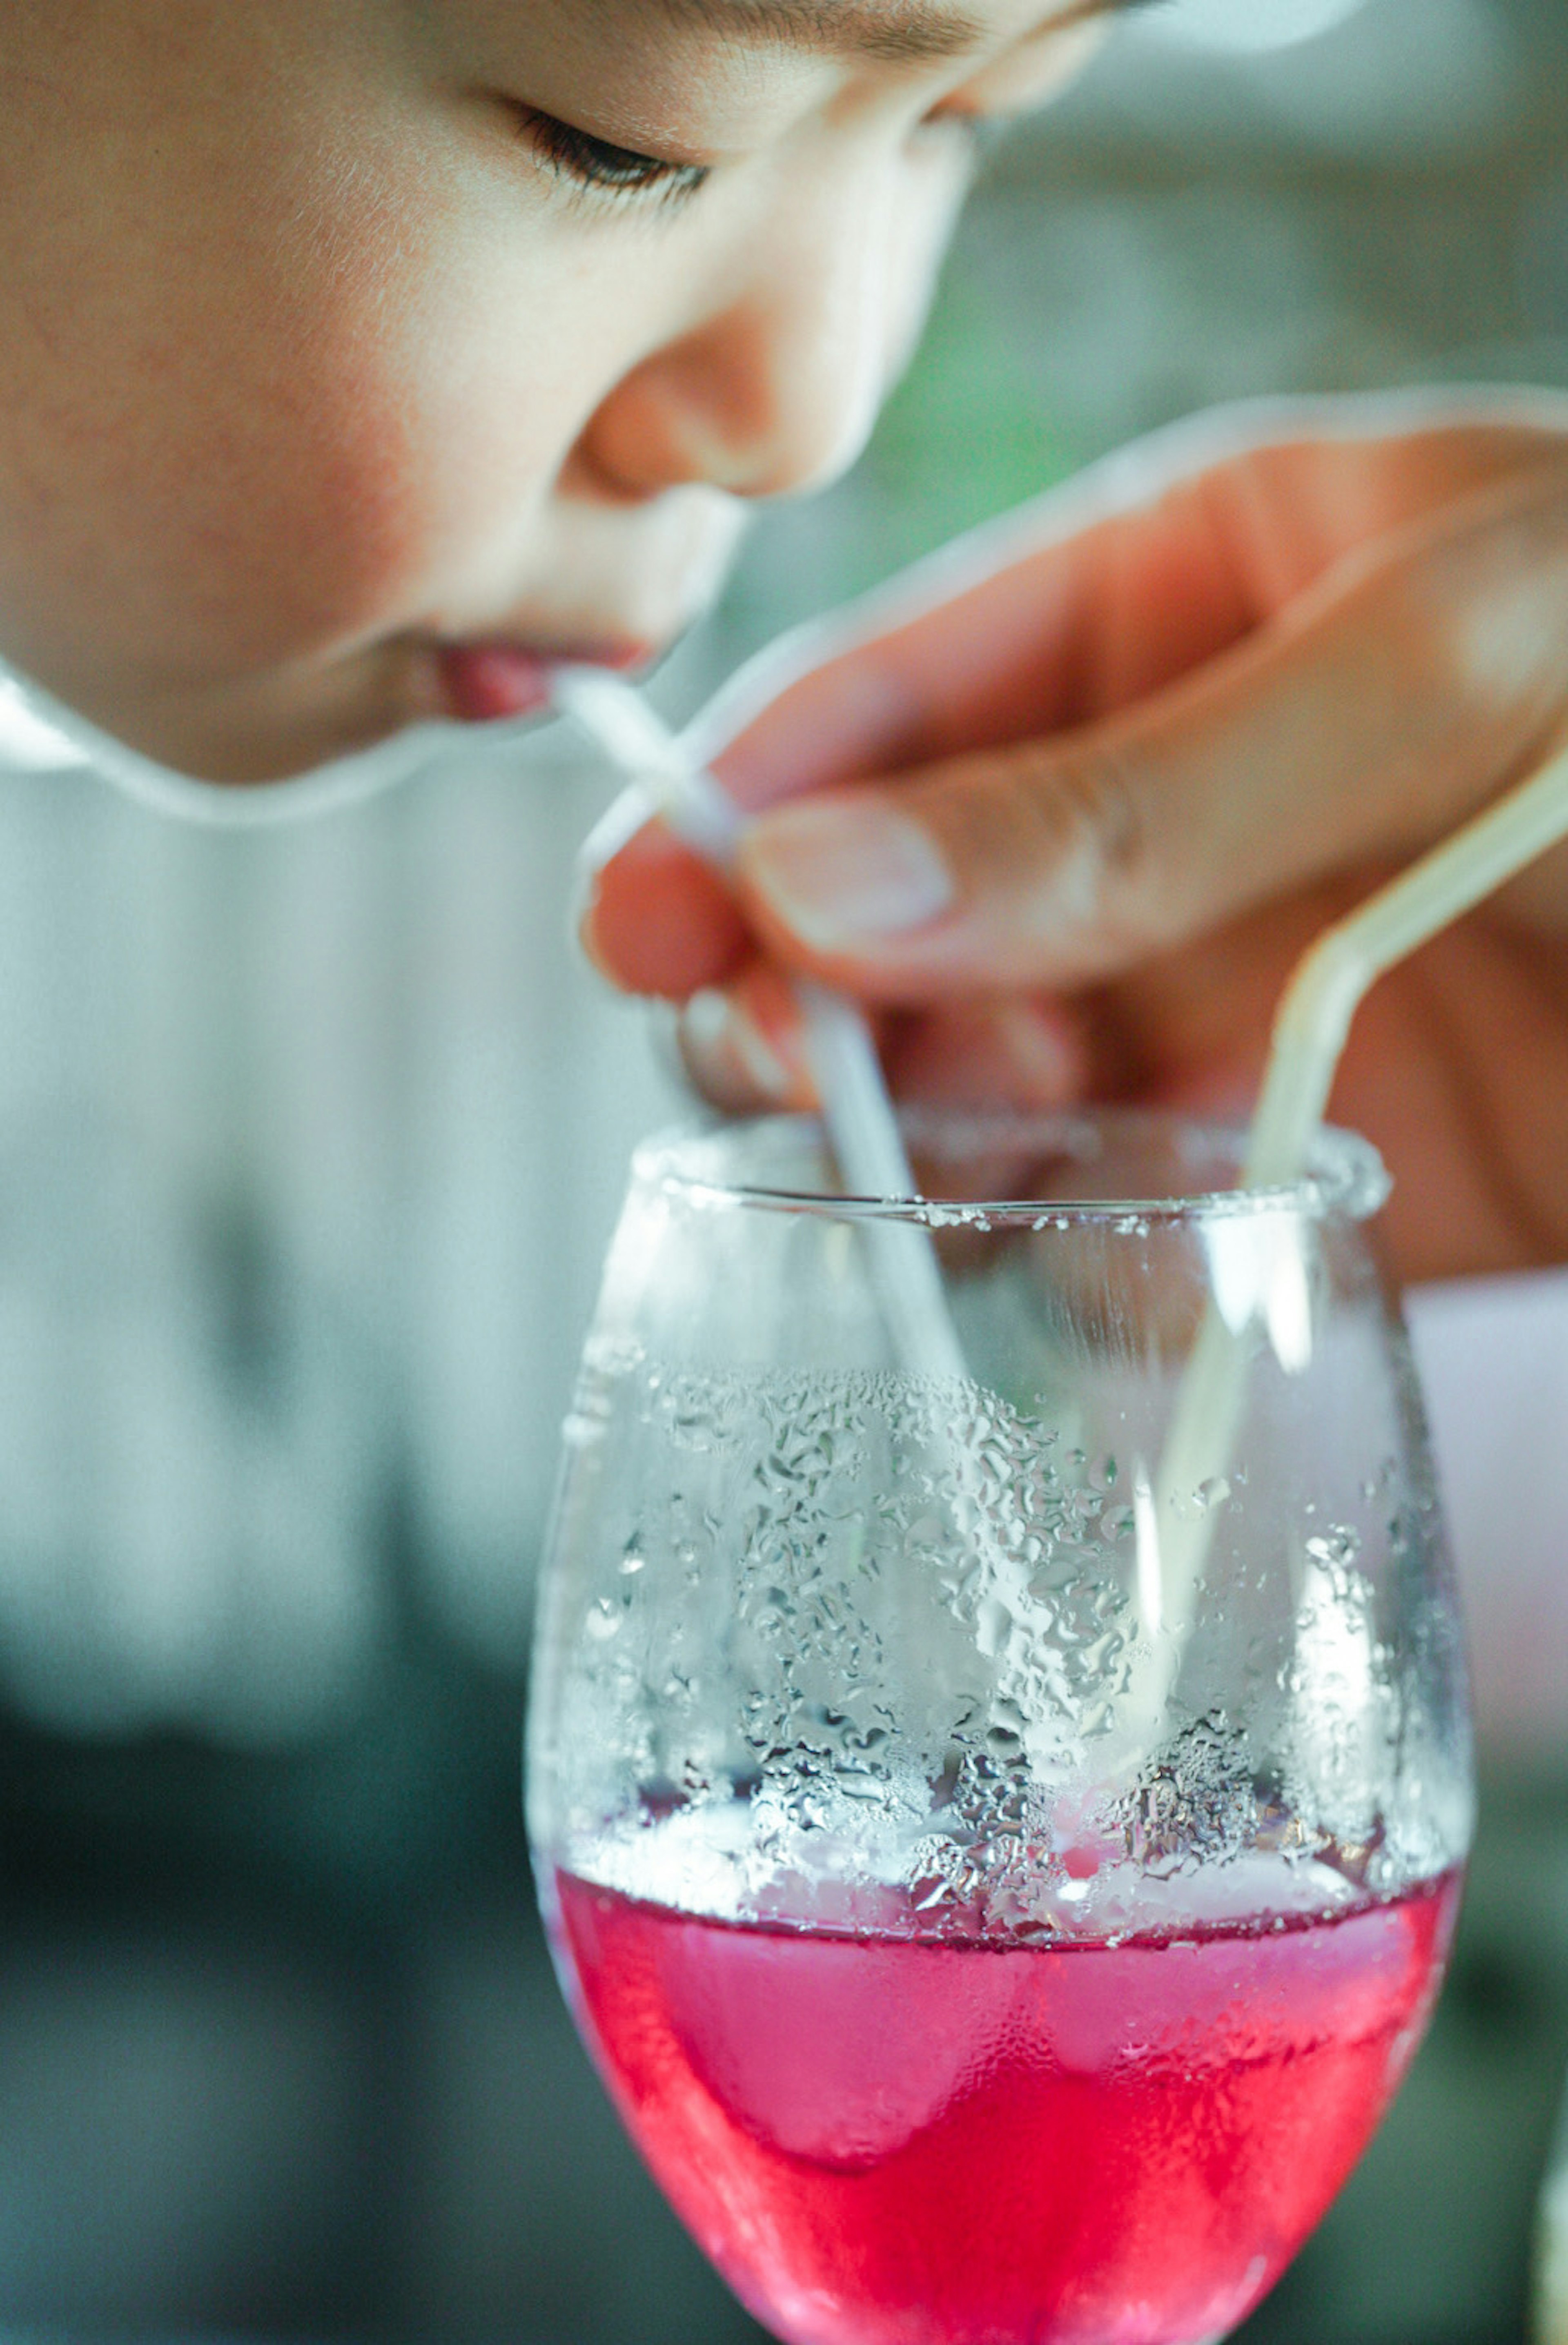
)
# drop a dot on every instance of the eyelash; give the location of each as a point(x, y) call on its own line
point(597, 166)
point(594, 164)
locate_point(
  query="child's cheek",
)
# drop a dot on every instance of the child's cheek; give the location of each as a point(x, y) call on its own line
point(387, 460)
point(288, 365)
point(211, 462)
point(340, 474)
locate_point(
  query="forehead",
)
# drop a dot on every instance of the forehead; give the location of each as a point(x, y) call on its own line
point(897, 31)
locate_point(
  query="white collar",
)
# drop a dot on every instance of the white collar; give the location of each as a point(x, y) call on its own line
point(39, 733)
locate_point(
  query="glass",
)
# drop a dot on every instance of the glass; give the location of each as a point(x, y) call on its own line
point(951, 1989)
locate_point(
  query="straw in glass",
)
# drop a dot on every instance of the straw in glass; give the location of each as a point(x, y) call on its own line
point(1309, 1031)
point(859, 1116)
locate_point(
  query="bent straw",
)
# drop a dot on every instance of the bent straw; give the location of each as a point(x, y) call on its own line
point(856, 1108)
point(1309, 1029)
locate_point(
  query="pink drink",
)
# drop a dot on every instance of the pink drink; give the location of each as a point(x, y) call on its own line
point(884, 2138)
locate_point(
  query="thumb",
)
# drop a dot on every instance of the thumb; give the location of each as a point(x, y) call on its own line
point(1381, 708)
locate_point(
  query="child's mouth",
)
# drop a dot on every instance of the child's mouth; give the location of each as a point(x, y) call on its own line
point(483, 681)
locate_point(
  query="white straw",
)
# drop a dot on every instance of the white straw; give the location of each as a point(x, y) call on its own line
point(1332, 977)
point(860, 1116)
point(1309, 1029)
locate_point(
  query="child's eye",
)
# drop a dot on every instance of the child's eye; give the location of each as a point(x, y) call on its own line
point(594, 163)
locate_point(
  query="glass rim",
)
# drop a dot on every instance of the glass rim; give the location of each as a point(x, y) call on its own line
point(1345, 1179)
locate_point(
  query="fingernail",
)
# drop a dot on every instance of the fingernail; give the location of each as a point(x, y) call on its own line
point(721, 1041)
point(839, 873)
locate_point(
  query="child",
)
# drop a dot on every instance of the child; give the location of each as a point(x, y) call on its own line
point(358, 358)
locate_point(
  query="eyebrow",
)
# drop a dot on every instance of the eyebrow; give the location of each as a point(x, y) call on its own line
point(895, 31)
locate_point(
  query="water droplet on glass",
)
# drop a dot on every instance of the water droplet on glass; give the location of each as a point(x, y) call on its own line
point(1208, 1495)
point(1337, 1546)
point(604, 1619)
point(992, 1622)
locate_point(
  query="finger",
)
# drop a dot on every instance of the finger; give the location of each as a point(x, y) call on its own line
point(657, 920)
point(1068, 615)
point(1008, 659)
point(1013, 1050)
point(1377, 711)
point(1083, 620)
point(743, 1046)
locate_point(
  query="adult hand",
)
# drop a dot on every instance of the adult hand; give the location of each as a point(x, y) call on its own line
point(1064, 817)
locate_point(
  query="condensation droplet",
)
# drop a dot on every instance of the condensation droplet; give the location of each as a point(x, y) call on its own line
point(992, 1622)
point(604, 1619)
point(1190, 1505)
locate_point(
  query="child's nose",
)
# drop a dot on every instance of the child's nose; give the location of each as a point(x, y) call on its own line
point(777, 389)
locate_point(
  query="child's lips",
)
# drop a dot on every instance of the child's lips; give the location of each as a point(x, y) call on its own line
point(483, 681)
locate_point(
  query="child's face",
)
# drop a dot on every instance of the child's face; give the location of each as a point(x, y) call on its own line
point(326, 351)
